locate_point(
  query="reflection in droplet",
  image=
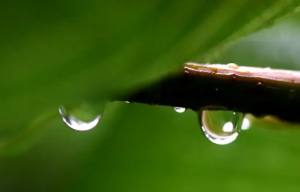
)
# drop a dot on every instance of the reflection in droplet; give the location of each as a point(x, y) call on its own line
point(228, 127)
point(246, 124)
point(220, 126)
point(76, 124)
point(179, 109)
point(127, 101)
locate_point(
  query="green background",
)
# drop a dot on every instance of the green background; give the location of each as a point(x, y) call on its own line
point(69, 52)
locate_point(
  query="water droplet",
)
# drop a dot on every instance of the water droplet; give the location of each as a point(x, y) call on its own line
point(84, 123)
point(127, 101)
point(234, 77)
point(259, 84)
point(179, 109)
point(220, 126)
point(268, 68)
point(246, 124)
point(232, 65)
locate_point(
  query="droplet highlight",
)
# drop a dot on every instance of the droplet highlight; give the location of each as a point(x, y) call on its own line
point(179, 109)
point(75, 123)
point(127, 102)
point(221, 127)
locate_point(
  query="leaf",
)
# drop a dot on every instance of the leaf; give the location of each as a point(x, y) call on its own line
point(136, 147)
point(276, 47)
point(66, 52)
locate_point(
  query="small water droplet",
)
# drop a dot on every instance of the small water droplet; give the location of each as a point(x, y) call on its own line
point(267, 68)
point(246, 124)
point(220, 126)
point(234, 77)
point(259, 84)
point(232, 65)
point(77, 124)
point(179, 109)
point(127, 101)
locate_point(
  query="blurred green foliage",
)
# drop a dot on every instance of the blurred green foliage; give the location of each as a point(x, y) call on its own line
point(69, 52)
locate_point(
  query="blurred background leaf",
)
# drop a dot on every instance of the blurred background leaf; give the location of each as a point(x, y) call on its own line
point(69, 52)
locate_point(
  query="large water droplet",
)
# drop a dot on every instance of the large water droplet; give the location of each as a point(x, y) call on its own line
point(220, 126)
point(179, 109)
point(79, 120)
